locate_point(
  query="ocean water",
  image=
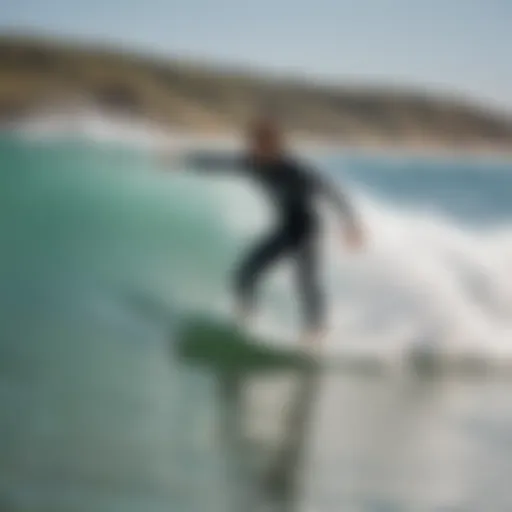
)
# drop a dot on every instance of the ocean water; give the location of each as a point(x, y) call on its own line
point(102, 253)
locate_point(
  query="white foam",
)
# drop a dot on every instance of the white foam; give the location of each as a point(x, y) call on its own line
point(91, 125)
point(78, 117)
point(453, 284)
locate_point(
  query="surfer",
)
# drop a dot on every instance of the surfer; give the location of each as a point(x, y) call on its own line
point(292, 186)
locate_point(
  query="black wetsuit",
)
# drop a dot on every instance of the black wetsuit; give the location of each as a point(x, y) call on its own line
point(292, 187)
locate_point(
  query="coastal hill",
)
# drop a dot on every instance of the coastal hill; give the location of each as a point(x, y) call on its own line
point(205, 100)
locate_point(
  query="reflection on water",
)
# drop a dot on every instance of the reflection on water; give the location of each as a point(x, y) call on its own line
point(410, 443)
point(98, 421)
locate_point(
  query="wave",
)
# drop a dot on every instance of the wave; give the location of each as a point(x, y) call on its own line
point(425, 282)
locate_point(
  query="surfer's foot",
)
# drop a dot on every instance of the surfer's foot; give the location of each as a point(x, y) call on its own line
point(311, 341)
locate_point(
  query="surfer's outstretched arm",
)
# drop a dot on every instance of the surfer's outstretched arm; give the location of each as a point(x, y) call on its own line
point(204, 161)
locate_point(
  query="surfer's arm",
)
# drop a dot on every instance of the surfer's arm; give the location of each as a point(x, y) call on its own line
point(205, 161)
point(214, 162)
point(344, 207)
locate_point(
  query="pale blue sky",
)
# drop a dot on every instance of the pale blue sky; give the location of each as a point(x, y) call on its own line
point(456, 45)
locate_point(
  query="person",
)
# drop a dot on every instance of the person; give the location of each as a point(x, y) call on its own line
point(292, 187)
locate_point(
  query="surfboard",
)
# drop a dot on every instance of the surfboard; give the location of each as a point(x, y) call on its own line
point(219, 344)
point(234, 356)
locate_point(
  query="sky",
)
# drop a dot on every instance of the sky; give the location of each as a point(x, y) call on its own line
point(456, 46)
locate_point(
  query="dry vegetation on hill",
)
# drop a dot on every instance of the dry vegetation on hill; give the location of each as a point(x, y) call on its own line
point(205, 100)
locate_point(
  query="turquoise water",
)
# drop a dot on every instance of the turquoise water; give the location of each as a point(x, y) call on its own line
point(93, 415)
point(102, 254)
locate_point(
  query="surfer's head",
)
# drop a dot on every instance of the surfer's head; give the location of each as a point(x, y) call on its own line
point(265, 138)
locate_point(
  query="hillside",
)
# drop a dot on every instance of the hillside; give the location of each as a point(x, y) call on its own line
point(204, 100)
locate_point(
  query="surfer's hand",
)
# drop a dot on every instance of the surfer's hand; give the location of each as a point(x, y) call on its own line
point(354, 237)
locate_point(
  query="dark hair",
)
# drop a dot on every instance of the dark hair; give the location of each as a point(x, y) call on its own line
point(263, 124)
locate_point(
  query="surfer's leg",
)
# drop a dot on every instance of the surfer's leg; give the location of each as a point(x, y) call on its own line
point(251, 269)
point(310, 289)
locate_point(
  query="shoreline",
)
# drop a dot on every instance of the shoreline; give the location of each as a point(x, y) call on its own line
point(133, 129)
